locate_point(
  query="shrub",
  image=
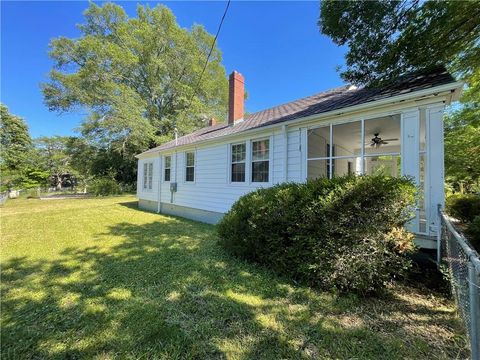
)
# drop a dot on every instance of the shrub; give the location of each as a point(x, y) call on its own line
point(463, 207)
point(473, 231)
point(341, 233)
point(105, 186)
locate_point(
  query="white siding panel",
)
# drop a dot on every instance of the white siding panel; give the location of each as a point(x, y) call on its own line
point(294, 156)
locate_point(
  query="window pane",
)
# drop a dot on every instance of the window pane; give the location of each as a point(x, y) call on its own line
point(150, 175)
point(260, 171)
point(382, 135)
point(260, 150)
point(347, 139)
point(238, 152)
point(383, 165)
point(318, 140)
point(168, 161)
point(189, 174)
point(238, 172)
point(190, 159)
point(167, 174)
point(145, 175)
point(317, 168)
point(349, 166)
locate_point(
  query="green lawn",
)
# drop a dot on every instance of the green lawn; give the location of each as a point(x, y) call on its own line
point(98, 278)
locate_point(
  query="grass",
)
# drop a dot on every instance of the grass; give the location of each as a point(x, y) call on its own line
point(98, 278)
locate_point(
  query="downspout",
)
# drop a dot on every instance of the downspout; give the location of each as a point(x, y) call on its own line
point(176, 165)
point(159, 182)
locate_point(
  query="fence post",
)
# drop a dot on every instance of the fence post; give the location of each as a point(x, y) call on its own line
point(473, 286)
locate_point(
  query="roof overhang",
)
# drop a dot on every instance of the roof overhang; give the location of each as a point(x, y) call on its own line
point(451, 91)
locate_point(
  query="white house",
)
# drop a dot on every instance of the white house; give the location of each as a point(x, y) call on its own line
point(394, 130)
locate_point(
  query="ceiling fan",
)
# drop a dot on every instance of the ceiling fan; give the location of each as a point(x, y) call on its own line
point(378, 141)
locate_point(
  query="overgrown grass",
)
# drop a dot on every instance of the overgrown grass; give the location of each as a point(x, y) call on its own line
point(97, 278)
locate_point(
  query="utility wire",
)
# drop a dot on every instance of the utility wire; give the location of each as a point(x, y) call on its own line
point(206, 63)
point(210, 52)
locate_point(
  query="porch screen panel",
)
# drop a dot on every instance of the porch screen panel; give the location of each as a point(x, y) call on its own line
point(382, 146)
point(347, 146)
point(318, 155)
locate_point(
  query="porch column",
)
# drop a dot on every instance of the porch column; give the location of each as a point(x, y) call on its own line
point(410, 152)
point(435, 164)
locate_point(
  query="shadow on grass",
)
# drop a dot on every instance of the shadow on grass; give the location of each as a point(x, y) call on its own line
point(168, 291)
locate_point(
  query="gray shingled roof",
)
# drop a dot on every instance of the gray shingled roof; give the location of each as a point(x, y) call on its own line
point(334, 99)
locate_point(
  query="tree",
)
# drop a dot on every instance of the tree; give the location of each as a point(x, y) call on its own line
point(16, 150)
point(54, 157)
point(139, 78)
point(388, 38)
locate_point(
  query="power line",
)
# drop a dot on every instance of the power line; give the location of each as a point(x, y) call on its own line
point(210, 52)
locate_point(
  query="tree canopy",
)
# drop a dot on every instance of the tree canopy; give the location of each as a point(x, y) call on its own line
point(137, 77)
point(17, 164)
point(388, 38)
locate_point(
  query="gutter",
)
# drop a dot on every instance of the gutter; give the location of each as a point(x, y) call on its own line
point(435, 91)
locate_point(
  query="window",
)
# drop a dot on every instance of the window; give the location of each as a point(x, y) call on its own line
point(239, 153)
point(145, 175)
point(260, 160)
point(337, 150)
point(168, 164)
point(148, 176)
point(190, 166)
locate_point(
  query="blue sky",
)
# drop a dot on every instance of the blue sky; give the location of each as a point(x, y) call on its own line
point(275, 45)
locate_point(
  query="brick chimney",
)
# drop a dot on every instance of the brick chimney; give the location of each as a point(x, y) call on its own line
point(236, 96)
point(212, 122)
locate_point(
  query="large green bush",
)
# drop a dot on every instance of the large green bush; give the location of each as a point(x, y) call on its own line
point(343, 233)
point(463, 207)
point(104, 186)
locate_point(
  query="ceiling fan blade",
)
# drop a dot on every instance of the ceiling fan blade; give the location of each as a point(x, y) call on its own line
point(390, 139)
point(384, 143)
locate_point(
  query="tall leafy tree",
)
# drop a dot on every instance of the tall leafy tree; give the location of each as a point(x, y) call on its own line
point(388, 38)
point(138, 78)
point(15, 140)
point(17, 167)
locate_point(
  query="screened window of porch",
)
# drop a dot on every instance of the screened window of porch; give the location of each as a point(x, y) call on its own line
point(358, 147)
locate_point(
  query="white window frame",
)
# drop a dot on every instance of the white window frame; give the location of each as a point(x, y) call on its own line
point(165, 168)
point(147, 179)
point(145, 176)
point(363, 155)
point(245, 161)
point(194, 166)
point(251, 161)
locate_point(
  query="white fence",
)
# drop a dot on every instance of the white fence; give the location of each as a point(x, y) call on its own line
point(464, 268)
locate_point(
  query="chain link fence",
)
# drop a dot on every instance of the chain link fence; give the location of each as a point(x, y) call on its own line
point(463, 264)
